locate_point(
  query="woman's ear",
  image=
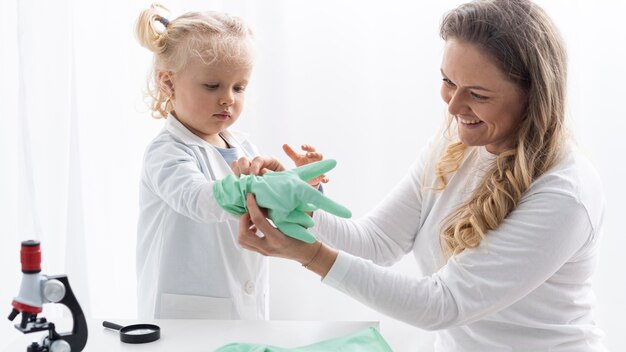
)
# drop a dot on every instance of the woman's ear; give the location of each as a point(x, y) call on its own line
point(165, 82)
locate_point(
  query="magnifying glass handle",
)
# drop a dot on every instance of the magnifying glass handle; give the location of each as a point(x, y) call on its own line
point(108, 324)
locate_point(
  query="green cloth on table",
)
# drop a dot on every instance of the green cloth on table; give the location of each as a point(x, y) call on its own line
point(285, 195)
point(368, 340)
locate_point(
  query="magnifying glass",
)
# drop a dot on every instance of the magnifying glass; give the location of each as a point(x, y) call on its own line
point(137, 333)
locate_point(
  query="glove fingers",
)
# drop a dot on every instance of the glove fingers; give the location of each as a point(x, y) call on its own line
point(300, 218)
point(333, 207)
point(312, 170)
point(296, 231)
point(294, 217)
point(307, 207)
point(317, 199)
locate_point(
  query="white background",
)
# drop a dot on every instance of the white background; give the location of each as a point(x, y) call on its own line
point(359, 80)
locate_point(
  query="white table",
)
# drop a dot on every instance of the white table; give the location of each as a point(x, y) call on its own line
point(206, 335)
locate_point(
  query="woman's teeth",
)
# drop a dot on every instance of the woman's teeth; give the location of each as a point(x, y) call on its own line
point(469, 122)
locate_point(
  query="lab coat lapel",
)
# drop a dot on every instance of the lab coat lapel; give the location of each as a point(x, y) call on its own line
point(218, 166)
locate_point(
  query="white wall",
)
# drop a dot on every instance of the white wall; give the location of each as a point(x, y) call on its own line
point(360, 81)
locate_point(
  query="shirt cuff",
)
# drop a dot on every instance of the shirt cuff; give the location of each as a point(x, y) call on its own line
point(338, 271)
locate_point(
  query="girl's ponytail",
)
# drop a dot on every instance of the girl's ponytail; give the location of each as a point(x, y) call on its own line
point(148, 33)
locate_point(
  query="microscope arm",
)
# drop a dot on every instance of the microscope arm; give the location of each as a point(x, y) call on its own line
point(78, 337)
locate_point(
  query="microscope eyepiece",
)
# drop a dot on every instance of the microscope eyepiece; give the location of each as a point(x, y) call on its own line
point(30, 256)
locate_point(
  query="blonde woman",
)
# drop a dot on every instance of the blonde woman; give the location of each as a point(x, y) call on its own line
point(502, 214)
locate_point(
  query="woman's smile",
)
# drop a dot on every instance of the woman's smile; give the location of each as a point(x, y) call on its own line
point(469, 122)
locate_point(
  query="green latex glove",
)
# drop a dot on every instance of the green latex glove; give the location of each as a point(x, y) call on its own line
point(368, 340)
point(285, 195)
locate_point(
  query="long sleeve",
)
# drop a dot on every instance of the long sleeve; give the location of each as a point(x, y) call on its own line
point(388, 232)
point(530, 246)
point(172, 173)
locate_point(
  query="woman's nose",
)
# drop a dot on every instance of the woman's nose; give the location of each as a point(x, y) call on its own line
point(455, 103)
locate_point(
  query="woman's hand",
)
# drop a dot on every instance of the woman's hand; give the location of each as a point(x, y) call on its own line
point(259, 165)
point(308, 157)
point(274, 243)
point(315, 256)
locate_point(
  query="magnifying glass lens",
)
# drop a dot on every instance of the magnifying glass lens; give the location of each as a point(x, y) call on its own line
point(140, 332)
point(137, 333)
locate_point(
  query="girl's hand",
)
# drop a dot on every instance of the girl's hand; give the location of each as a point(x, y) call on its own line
point(308, 157)
point(257, 166)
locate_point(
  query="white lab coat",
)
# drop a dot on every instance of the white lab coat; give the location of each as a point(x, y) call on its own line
point(189, 264)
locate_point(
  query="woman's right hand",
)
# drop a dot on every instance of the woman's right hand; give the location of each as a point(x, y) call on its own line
point(273, 242)
point(316, 256)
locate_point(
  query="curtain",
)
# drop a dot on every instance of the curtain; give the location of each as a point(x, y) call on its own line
point(359, 80)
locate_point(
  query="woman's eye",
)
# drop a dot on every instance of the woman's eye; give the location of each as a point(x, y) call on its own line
point(212, 86)
point(448, 82)
point(478, 96)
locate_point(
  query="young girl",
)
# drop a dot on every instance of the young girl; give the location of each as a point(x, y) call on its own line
point(189, 264)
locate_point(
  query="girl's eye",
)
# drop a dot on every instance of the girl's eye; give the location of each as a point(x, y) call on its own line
point(448, 82)
point(212, 86)
point(240, 89)
point(478, 96)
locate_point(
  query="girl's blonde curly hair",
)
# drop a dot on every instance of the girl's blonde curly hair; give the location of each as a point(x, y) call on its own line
point(211, 36)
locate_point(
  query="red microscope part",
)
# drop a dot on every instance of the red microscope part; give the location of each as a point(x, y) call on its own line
point(37, 289)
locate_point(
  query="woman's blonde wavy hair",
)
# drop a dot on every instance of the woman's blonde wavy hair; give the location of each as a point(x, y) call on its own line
point(522, 40)
point(212, 36)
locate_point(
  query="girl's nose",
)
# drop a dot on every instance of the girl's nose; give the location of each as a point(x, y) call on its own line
point(227, 99)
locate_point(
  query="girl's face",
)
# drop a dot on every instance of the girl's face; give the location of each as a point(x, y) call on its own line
point(208, 98)
point(487, 106)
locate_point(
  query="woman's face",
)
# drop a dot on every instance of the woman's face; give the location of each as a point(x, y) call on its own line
point(485, 104)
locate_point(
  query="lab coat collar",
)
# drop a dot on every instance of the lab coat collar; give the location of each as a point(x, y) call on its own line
point(179, 130)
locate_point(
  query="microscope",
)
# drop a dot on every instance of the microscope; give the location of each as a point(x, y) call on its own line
point(37, 289)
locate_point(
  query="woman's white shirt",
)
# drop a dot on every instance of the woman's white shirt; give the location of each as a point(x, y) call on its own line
point(189, 264)
point(527, 287)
